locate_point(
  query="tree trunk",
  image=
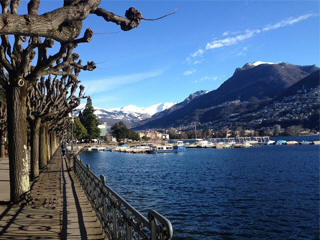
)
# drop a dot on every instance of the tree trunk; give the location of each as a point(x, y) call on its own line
point(2, 154)
point(17, 136)
point(48, 143)
point(54, 143)
point(43, 147)
point(35, 137)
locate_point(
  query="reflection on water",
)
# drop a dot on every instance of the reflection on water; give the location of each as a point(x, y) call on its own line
point(269, 192)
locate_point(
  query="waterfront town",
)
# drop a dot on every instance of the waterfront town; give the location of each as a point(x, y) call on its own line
point(237, 161)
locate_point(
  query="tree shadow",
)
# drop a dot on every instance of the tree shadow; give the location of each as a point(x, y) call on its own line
point(82, 228)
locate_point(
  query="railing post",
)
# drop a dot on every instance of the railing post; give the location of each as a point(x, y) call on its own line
point(103, 179)
point(128, 227)
point(114, 218)
point(103, 203)
point(153, 227)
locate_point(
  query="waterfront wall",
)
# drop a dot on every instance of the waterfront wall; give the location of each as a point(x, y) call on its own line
point(118, 218)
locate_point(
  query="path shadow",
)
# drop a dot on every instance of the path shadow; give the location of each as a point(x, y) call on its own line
point(83, 231)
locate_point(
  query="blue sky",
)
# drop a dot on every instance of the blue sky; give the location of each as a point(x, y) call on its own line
point(197, 48)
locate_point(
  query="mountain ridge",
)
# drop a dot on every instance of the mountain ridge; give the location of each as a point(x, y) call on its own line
point(253, 83)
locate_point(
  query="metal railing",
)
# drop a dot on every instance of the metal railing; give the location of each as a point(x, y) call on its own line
point(118, 218)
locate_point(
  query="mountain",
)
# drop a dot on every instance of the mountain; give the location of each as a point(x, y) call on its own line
point(129, 115)
point(168, 111)
point(151, 110)
point(304, 85)
point(249, 88)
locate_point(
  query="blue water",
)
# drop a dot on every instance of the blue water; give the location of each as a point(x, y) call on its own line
point(267, 192)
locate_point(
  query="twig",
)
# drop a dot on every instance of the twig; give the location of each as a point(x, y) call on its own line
point(166, 15)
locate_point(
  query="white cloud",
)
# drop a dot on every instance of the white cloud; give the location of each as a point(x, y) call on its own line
point(228, 41)
point(189, 72)
point(231, 40)
point(286, 22)
point(109, 83)
point(242, 51)
point(197, 53)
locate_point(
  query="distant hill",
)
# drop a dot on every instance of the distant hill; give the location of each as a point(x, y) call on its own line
point(250, 87)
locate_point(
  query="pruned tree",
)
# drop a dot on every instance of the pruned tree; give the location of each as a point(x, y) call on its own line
point(3, 126)
point(47, 99)
point(18, 74)
point(33, 34)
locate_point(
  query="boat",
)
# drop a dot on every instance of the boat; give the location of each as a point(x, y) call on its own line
point(292, 143)
point(121, 148)
point(166, 149)
point(271, 142)
point(316, 142)
point(139, 149)
point(304, 142)
point(200, 143)
point(281, 142)
point(246, 145)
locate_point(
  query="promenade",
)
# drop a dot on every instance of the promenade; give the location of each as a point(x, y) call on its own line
point(57, 209)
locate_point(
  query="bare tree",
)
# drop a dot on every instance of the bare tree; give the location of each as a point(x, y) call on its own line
point(18, 74)
point(3, 126)
point(47, 101)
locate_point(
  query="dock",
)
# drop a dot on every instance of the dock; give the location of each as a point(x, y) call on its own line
point(57, 207)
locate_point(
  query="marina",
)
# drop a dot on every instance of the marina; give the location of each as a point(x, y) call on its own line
point(181, 145)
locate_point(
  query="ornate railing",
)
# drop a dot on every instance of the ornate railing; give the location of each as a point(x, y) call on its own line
point(118, 218)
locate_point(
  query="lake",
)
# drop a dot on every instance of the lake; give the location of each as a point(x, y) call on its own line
point(266, 192)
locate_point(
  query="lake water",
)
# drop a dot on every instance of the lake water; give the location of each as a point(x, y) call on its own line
point(267, 192)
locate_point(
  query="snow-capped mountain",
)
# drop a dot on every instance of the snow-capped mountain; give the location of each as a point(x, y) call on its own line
point(151, 110)
point(255, 64)
point(129, 115)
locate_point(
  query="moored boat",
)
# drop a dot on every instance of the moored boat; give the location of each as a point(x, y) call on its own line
point(304, 142)
point(281, 142)
point(166, 149)
point(270, 142)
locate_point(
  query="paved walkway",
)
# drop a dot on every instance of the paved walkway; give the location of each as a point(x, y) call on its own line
point(58, 208)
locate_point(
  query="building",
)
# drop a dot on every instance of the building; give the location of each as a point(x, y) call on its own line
point(153, 135)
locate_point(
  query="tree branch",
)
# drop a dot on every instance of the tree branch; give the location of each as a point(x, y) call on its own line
point(61, 24)
point(132, 20)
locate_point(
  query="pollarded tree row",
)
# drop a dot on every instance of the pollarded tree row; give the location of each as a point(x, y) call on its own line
point(24, 59)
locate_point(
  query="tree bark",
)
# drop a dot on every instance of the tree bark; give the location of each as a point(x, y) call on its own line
point(35, 137)
point(54, 141)
point(2, 154)
point(43, 147)
point(48, 143)
point(17, 136)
